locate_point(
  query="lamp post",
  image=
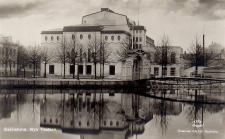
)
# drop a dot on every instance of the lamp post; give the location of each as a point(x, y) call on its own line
point(45, 69)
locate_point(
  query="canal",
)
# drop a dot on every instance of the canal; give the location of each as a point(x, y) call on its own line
point(113, 114)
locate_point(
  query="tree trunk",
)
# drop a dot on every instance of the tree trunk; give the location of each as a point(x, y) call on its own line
point(34, 70)
point(5, 69)
point(95, 70)
point(64, 70)
point(74, 63)
point(24, 72)
point(45, 70)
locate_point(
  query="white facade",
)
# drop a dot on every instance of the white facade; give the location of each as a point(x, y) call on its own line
point(105, 28)
point(173, 70)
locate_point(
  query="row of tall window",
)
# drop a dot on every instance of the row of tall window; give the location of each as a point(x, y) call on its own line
point(156, 57)
point(137, 46)
point(137, 39)
point(13, 64)
point(172, 71)
point(138, 31)
point(81, 69)
point(10, 51)
point(52, 38)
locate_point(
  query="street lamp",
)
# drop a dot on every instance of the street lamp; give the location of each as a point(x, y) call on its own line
point(45, 69)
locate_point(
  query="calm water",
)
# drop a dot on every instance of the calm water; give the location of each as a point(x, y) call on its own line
point(111, 114)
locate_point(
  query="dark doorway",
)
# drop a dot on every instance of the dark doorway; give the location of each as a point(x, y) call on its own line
point(51, 69)
point(80, 69)
point(71, 69)
point(88, 69)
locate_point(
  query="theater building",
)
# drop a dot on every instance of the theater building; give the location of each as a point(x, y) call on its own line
point(109, 41)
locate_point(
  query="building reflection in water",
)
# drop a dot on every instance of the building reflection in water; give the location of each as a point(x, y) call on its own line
point(105, 113)
point(94, 114)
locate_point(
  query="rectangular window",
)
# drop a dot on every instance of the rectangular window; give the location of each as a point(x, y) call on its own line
point(164, 72)
point(140, 46)
point(172, 72)
point(80, 69)
point(14, 64)
point(51, 69)
point(88, 69)
point(71, 69)
point(156, 71)
point(112, 70)
point(140, 39)
point(136, 39)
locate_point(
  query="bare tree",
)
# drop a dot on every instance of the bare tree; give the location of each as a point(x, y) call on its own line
point(105, 52)
point(34, 56)
point(72, 54)
point(163, 54)
point(47, 55)
point(62, 51)
point(196, 56)
point(95, 48)
point(22, 60)
point(124, 48)
point(8, 55)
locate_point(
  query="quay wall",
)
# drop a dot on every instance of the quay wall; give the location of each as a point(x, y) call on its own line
point(32, 83)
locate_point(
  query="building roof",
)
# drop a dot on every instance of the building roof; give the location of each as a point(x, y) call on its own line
point(6, 39)
point(84, 28)
point(53, 31)
point(137, 27)
point(109, 10)
point(113, 30)
point(215, 68)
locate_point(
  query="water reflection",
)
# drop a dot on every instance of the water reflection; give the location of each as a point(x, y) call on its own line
point(105, 113)
point(92, 113)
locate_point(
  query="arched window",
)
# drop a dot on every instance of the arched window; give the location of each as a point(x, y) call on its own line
point(52, 38)
point(81, 36)
point(79, 123)
point(50, 120)
point(112, 38)
point(118, 38)
point(44, 120)
point(56, 121)
point(89, 36)
point(73, 36)
point(57, 38)
point(173, 57)
point(106, 38)
point(111, 123)
point(88, 123)
point(71, 123)
point(104, 122)
point(117, 123)
point(46, 38)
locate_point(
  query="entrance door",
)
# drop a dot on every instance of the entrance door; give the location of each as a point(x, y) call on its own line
point(137, 68)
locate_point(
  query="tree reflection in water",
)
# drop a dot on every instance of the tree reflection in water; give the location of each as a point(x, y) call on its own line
point(162, 120)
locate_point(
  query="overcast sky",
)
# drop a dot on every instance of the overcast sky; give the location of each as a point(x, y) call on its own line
point(181, 20)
